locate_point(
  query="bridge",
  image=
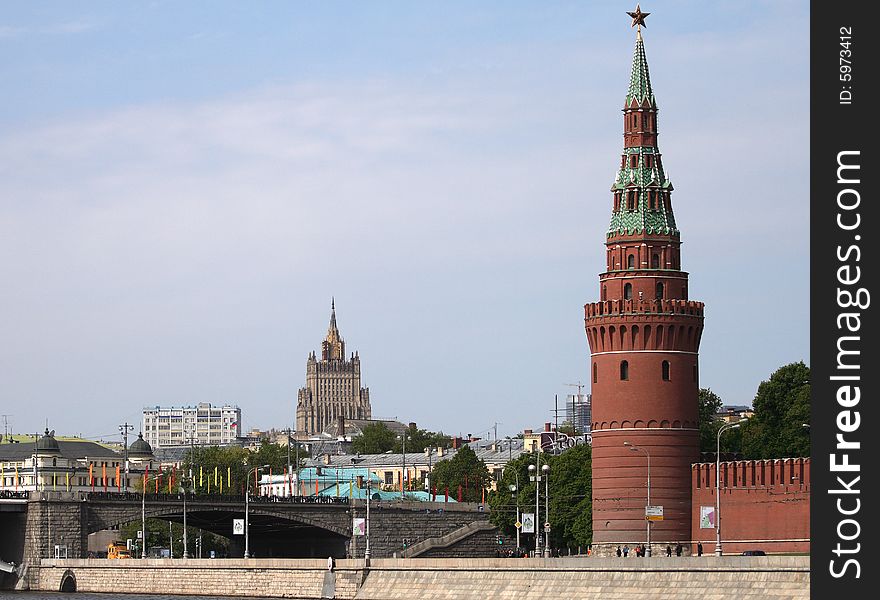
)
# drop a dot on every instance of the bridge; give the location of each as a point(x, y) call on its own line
point(297, 527)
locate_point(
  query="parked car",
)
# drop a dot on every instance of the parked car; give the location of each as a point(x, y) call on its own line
point(754, 553)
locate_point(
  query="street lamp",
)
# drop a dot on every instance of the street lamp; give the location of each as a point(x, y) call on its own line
point(721, 429)
point(403, 471)
point(546, 470)
point(144, 515)
point(648, 455)
point(514, 489)
point(247, 491)
point(533, 476)
point(367, 549)
point(183, 481)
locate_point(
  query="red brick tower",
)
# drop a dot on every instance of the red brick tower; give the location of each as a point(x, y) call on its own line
point(644, 335)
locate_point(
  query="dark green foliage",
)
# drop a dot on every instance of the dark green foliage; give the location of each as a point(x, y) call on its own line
point(465, 470)
point(236, 461)
point(375, 438)
point(419, 439)
point(710, 404)
point(782, 406)
point(570, 497)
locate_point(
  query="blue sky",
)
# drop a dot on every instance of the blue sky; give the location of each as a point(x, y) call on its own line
point(184, 186)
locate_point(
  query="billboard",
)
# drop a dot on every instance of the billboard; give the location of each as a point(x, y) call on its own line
point(707, 517)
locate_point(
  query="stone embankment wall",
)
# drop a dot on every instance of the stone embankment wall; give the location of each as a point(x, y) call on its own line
point(687, 578)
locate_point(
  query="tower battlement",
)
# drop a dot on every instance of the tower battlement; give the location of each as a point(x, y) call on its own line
point(597, 311)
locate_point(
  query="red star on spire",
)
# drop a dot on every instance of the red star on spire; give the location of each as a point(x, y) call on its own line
point(638, 17)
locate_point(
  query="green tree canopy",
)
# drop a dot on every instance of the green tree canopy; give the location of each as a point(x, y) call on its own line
point(570, 497)
point(419, 439)
point(782, 407)
point(710, 404)
point(375, 438)
point(465, 470)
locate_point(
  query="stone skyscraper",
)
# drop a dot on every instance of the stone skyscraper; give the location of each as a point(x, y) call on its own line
point(644, 338)
point(333, 385)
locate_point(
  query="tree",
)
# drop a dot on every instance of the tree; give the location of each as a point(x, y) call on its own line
point(375, 438)
point(571, 506)
point(465, 470)
point(571, 509)
point(419, 439)
point(709, 405)
point(782, 407)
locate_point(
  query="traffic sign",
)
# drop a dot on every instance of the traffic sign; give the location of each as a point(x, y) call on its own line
point(237, 526)
point(654, 513)
point(517, 524)
point(547, 526)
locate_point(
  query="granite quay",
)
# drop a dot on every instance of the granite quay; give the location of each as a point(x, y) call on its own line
point(771, 577)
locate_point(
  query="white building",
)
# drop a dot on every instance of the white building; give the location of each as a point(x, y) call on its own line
point(204, 424)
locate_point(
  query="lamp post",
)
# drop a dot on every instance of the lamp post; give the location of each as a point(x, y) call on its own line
point(546, 470)
point(721, 430)
point(648, 455)
point(536, 477)
point(367, 548)
point(403, 470)
point(144, 516)
point(247, 491)
point(183, 489)
point(514, 489)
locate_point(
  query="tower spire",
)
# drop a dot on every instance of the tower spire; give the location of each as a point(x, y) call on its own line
point(333, 347)
point(644, 336)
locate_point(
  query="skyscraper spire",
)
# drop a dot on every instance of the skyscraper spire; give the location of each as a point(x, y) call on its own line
point(333, 347)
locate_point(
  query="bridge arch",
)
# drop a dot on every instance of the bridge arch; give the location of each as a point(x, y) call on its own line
point(68, 582)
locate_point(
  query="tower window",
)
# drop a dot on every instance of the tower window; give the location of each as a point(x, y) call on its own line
point(631, 201)
point(633, 161)
point(660, 290)
point(665, 368)
point(604, 292)
point(595, 373)
point(655, 261)
point(631, 262)
point(624, 370)
point(627, 291)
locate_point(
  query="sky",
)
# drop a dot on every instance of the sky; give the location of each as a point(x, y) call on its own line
point(184, 186)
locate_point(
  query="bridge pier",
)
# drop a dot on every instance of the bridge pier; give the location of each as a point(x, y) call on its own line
point(54, 518)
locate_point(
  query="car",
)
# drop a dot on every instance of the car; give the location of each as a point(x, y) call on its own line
point(754, 553)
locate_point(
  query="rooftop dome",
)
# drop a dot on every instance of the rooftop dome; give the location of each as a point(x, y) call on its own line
point(48, 443)
point(140, 447)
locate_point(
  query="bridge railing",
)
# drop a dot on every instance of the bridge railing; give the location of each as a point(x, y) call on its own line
point(214, 498)
point(13, 495)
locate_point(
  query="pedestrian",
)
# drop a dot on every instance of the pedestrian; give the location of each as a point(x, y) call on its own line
point(619, 552)
point(699, 548)
point(330, 563)
point(668, 550)
point(625, 551)
point(678, 550)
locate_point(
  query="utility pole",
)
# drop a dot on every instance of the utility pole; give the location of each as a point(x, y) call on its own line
point(36, 438)
point(124, 429)
point(556, 428)
point(287, 431)
point(6, 427)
